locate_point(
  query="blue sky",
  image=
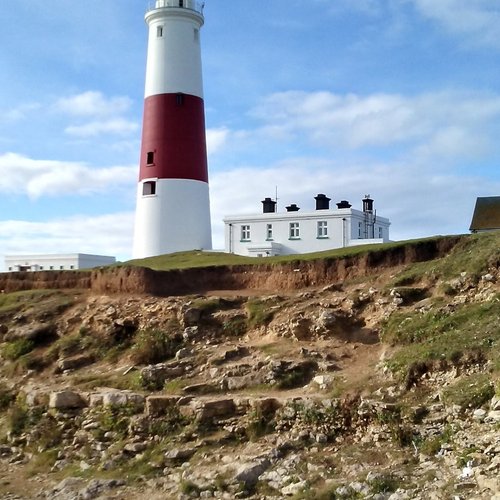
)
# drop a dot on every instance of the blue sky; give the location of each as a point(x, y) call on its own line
point(399, 99)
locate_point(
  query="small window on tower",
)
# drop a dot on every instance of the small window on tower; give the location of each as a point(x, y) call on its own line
point(159, 31)
point(149, 188)
point(181, 3)
point(179, 99)
point(150, 158)
point(196, 35)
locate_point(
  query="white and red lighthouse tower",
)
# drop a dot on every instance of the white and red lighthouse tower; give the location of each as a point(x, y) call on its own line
point(173, 206)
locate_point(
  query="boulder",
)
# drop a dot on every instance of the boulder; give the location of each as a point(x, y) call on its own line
point(74, 362)
point(39, 333)
point(221, 408)
point(249, 473)
point(191, 317)
point(64, 400)
point(179, 455)
point(123, 398)
point(155, 376)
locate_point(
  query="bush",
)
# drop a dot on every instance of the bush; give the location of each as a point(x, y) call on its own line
point(14, 350)
point(154, 346)
point(258, 313)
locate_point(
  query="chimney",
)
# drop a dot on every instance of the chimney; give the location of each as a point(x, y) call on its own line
point(292, 208)
point(322, 202)
point(269, 206)
point(368, 204)
point(344, 204)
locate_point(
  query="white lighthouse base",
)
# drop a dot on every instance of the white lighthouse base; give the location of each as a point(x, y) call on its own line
point(175, 218)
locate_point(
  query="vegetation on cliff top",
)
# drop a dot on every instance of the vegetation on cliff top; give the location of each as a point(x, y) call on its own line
point(185, 260)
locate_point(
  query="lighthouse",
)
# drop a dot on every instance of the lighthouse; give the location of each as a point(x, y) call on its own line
point(173, 206)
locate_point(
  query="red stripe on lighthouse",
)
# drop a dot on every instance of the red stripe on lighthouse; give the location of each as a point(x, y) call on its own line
point(173, 138)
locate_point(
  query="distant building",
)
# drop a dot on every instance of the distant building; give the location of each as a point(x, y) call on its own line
point(271, 233)
point(486, 214)
point(59, 262)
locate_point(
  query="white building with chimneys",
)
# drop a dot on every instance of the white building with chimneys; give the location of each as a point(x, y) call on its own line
point(173, 207)
point(273, 233)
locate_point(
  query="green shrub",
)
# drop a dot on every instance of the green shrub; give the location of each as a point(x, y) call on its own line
point(154, 346)
point(18, 419)
point(17, 348)
point(236, 327)
point(259, 313)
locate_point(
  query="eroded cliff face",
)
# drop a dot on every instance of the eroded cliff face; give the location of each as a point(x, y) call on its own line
point(294, 275)
point(368, 377)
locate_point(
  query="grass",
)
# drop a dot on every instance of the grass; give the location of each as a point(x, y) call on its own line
point(473, 254)
point(56, 300)
point(473, 391)
point(468, 334)
point(197, 258)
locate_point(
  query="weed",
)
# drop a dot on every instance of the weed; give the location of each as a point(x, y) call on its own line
point(385, 483)
point(432, 445)
point(172, 422)
point(259, 424)
point(43, 462)
point(189, 488)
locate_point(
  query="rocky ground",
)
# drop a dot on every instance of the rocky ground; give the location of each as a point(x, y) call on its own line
point(331, 392)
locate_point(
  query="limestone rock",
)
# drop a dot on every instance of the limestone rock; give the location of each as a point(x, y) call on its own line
point(64, 400)
point(250, 473)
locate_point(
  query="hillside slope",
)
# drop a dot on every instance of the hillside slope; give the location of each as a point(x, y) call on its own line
point(374, 375)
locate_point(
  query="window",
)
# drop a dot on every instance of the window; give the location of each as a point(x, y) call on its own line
point(150, 158)
point(322, 229)
point(196, 35)
point(269, 232)
point(149, 188)
point(159, 31)
point(51, 268)
point(10, 268)
point(179, 99)
point(380, 232)
point(61, 267)
point(360, 229)
point(294, 231)
point(71, 267)
point(41, 268)
point(181, 3)
point(245, 233)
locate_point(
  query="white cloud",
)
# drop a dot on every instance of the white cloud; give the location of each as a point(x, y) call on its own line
point(109, 234)
point(478, 20)
point(419, 202)
point(35, 178)
point(117, 126)
point(216, 139)
point(379, 120)
point(20, 112)
point(92, 103)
